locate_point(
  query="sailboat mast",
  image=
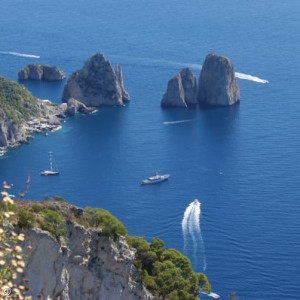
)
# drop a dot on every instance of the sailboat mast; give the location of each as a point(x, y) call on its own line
point(50, 157)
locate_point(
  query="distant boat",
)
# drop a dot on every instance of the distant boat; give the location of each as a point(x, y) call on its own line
point(155, 179)
point(51, 171)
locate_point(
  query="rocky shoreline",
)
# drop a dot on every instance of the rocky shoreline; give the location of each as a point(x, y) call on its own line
point(51, 121)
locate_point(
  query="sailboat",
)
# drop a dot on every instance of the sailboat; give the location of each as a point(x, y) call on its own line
point(51, 171)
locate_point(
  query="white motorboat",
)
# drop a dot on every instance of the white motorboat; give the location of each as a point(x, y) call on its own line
point(51, 171)
point(155, 179)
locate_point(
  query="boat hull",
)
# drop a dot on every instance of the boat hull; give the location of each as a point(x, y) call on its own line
point(163, 178)
point(49, 173)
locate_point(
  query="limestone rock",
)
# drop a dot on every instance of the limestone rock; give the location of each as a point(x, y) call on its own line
point(96, 84)
point(217, 85)
point(92, 266)
point(41, 72)
point(52, 73)
point(74, 106)
point(181, 91)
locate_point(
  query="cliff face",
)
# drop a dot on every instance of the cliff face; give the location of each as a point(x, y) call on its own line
point(96, 84)
point(217, 84)
point(21, 114)
point(41, 72)
point(181, 91)
point(92, 266)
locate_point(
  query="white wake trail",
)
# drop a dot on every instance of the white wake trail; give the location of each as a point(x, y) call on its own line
point(19, 54)
point(191, 229)
point(177, 122)
point(250, 77)
point(184, 223)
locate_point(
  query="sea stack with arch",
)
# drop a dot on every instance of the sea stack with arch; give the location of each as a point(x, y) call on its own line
point(217, 85)
point(97, 84)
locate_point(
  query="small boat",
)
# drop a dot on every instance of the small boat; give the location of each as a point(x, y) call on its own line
point(155, 179)
point(51, 171)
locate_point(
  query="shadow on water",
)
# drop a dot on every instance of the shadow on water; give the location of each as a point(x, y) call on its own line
point(51, 90)
point(219, 117)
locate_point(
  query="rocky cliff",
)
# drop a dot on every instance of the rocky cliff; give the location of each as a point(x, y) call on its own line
point(217, 85)
point(91, 266)
point(21, 114)
point(96, 84)
point(181, 90)
point(74, 253)
point(41, 72)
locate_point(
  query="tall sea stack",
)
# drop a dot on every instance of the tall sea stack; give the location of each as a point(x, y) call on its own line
point(181, 91)
point(217, 85)
point(96, 84)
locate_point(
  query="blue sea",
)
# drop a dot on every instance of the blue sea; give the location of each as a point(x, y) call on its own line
point(241, 162)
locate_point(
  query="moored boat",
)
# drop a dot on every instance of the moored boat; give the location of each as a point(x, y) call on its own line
point(51, 171)
point(155, 179)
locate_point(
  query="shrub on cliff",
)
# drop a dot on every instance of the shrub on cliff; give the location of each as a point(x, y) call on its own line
point(167, 273)
point(16, 101)
point(101, 218)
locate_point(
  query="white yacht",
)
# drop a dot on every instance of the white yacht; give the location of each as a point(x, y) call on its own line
point(155, 179)
point(51, 171)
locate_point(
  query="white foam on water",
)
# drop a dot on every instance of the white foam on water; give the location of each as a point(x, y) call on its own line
point(212, 295)
point(19, 54)
point(191, 228)
point(177, 122)
point(250, 77)
point(184, 223)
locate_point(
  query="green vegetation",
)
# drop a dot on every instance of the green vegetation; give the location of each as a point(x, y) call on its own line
point(167, 273)
point(36, 215)
point(102, 219)
point(53, 222)
point(16, 102)
point(26, 219)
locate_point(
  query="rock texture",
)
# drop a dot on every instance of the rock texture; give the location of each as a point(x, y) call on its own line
point(217, 85)
point(181, 91)
point(91, 267)
point(74, 106)
point(41, 72)
point(96, 84)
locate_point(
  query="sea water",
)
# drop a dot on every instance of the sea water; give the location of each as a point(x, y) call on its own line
point(241, 162)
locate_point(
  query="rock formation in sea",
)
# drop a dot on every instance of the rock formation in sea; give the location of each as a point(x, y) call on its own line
point(181, 90)
point(217, 85)
point(41, 72)
point(74, 106)
point(96, 84)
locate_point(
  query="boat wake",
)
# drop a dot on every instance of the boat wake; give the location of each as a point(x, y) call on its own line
point(192, 237)
point(177, 122)
point(19, 54)
point(250, 77)
point(212, 295)
point(142, 61)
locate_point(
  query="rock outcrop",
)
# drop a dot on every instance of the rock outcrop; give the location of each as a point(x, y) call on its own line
point(21, 114)
point(91, 266)
point(217, 85)
point(74, 106)
point(41, 72)
point(181, 91)
point(96, 84)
